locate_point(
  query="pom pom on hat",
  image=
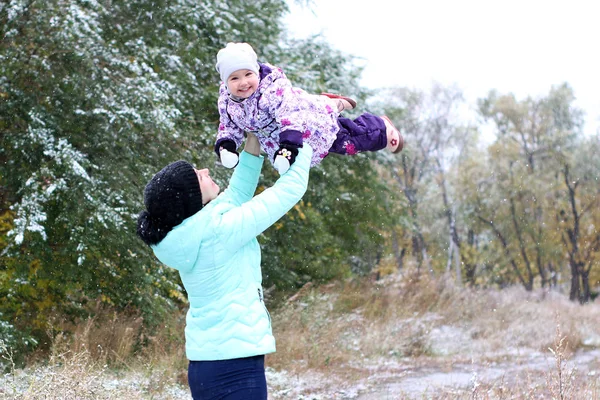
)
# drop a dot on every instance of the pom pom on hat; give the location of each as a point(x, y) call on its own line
point(236, 56)
point(171, 196)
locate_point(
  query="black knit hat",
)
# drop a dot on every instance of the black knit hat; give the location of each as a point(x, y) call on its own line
point(171, 196)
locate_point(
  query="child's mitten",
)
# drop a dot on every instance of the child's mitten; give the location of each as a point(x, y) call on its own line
point(226, 151)
point(285, 157)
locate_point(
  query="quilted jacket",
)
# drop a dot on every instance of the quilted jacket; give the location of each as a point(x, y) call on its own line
point(218, 258)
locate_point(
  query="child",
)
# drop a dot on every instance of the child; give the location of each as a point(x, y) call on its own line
point(258, 98)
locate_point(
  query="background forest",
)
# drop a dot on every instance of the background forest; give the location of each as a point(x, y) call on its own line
point(97, 95)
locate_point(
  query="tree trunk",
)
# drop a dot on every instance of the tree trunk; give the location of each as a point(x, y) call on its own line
point(527, 285)
point(398, 254)
point(575, 291)
point(457, 267)
point(585, 287)
point(416, 249)
point(470, 267)
point(572, 240)
point(538, 240)
point(426, 260)
point(419, 246)
point(553, 276)
point(521, 242)
point(450, 252)
point(454, 246)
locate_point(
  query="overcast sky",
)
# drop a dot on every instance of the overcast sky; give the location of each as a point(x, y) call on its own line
point(518, 46)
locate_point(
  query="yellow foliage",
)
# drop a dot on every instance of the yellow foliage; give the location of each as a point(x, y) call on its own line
point(469, 254)
point(105, 299)
point(33, 268)
point(6, 224)
point(174, 294)
point(45, 302)
point(299, 211)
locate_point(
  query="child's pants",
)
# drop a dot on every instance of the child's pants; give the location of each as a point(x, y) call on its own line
point(365, 133)
point(237, 379)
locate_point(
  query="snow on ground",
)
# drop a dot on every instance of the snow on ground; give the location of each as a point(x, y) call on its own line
point(386, 378)
point(407, 379)
point(498, 341)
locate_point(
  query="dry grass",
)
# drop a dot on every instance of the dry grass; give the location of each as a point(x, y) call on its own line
point(102, 358)
point(356, 339)
point(365, 331)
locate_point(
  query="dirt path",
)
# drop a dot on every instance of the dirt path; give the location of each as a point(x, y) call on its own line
point(466, 378)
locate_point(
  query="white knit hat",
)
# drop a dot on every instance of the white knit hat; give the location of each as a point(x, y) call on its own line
point(236, 56)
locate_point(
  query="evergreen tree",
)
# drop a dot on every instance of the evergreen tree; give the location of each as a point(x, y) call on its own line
point(95, 97)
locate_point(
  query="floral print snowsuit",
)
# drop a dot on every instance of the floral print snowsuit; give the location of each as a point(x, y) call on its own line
point(278, 113)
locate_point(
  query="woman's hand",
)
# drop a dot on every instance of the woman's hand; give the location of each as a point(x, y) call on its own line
point(252, 146)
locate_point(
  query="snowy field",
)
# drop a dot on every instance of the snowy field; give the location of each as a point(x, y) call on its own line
point(393, 339)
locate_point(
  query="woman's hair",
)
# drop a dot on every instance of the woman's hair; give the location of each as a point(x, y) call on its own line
point(171, 196)
point(149, 230)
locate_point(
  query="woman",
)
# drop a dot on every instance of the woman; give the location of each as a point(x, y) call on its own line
point(210, 238)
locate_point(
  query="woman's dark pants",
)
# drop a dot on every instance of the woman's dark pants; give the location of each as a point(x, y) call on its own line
point(237, 379)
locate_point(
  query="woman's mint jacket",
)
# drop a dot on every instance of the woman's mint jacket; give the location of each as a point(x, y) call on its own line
point(218, 258)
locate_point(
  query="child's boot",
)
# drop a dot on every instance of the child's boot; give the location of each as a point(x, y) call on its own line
point(394, 137)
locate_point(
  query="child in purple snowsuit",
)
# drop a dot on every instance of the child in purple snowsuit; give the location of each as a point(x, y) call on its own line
point(258, 98)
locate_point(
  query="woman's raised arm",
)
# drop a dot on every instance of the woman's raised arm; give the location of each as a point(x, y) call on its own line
point(252, 146)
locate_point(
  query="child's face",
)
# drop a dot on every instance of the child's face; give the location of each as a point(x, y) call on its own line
point(242, 83)
point(208, 188)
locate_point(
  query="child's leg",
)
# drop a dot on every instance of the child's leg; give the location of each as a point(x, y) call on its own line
point(365, 133)
point(342, 102)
